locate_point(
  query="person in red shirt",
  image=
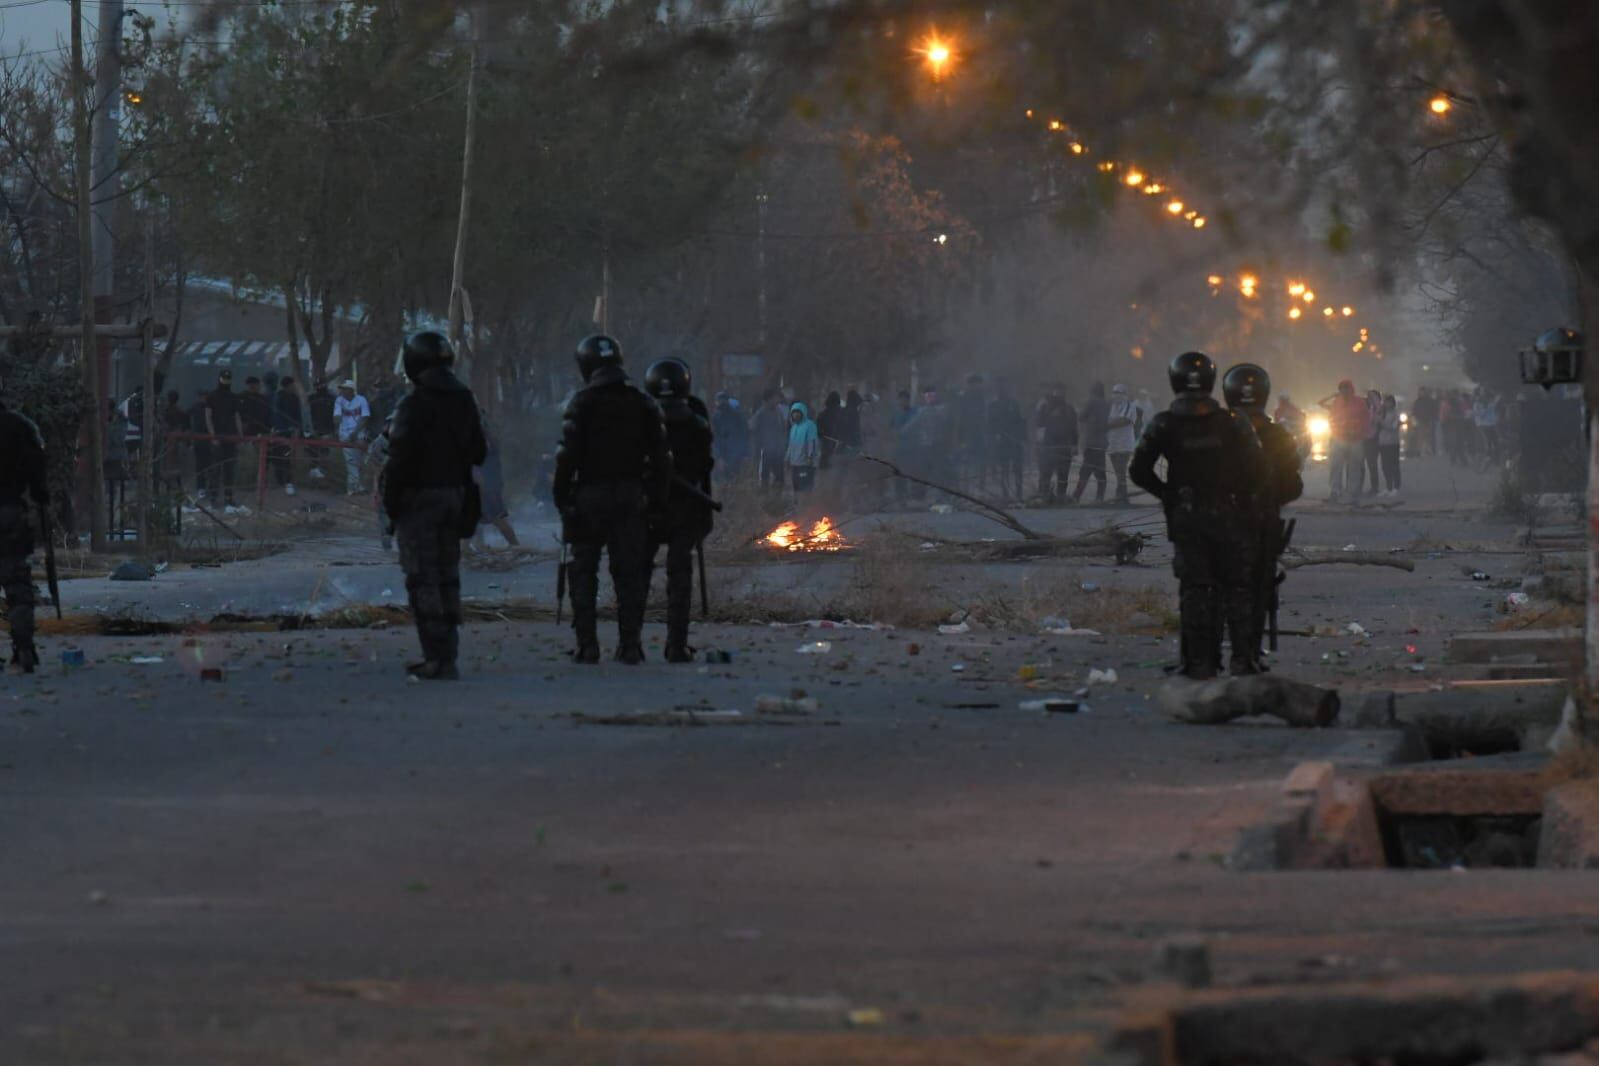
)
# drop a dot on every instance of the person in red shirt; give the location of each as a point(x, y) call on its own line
point(1350, 421)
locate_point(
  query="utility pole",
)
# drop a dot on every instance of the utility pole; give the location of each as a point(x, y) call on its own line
point(760, 267)
point(148, 410)
point(90, 352)
point(458, 278)
point(105, 179)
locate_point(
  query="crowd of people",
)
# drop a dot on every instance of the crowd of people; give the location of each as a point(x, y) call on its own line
point(198, 443)
point(978, 440)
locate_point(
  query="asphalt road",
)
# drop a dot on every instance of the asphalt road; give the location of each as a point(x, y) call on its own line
point(315, 861)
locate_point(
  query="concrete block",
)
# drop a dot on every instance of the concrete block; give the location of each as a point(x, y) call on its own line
point(1569, 838)
point(1422, 1020)
point(1462, 793)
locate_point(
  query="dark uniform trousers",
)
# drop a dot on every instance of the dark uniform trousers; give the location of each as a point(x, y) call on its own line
point(686, 524)
point(16, 576)
point(611, 518)
point(1262, 533)
point(1214, 560)
point(429, 537)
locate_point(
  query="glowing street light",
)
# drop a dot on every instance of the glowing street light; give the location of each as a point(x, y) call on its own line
point(1106, 167)
point(1214, 280)
point(1440, 104)
point(1294, 313)
point(1347, 311)
point(1327, 311)
point(938, 53)
point(1056, 125)
point(1154, 188)
point(1308, 296)
point(1077, 148)
point(1134, 177)
point(1358, 345)
point(1175, 207)
point(1247, 283)
point(1296, 288)
point(1199, 223)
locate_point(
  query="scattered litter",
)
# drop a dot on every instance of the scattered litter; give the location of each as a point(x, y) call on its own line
point(816, 647)
point(1055, 621)
point(1418, 668)
point(957, 668)
point(1355, 629)
point(716, 655)
point(679, 717)
point(1068, 631)
point(161, 567)
point(955, 630)
point(1097, 676)
point(827, 623)
point(388, 593)
point(1028, 672)
point(72, 657)
point(1351, 548)
point(913, 649)
point(146, 660)
point(1517, 600)
point(928, 546)
point(1054, 705)
point(786, 705)
point(1089, 586)
point(866, 1016)
point(214, 673)
point(941, 508)
point(1480, 575)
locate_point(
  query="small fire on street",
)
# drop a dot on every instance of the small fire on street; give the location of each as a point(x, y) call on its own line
point(823, 537)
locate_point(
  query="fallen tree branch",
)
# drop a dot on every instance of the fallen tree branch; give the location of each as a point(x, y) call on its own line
point(1293, 560)
point(1004, 518)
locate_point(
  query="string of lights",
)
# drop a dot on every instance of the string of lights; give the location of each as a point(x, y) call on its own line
point(941, 56)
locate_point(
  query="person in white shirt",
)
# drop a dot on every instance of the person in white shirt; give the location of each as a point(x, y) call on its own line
point(1121, 434)
point(351, 413)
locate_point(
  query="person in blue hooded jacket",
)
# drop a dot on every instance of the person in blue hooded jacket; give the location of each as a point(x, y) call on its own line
point(804, 447)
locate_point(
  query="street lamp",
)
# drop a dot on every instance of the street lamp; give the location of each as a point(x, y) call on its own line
point(938, 53)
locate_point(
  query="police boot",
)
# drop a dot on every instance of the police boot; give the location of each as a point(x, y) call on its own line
point(679, 653)
point(434, 670)
point(24, 658)
point(1201, 632)
point(630, 652)
point(1242, 634)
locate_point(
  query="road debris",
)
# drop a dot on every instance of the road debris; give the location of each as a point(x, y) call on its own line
point(1053, 705)
point(1097, 676)
point(797, 705)
point(816, 647)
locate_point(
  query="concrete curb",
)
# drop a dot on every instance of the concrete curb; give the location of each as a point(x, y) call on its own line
point(1426, 1019)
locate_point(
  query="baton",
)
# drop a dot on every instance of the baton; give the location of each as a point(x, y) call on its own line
point(50, 576)
point(705, 599)
point(560, 580)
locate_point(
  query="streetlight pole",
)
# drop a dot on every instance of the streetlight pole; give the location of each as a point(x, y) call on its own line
point(89, 341)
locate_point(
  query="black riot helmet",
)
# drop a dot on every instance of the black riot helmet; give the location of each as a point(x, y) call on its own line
point(1246, 385)
point(668, 379)
point(597, 351)
point(1193, 372)
point(425, 350)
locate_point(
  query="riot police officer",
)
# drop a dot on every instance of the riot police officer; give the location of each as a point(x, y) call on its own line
point(1247, 387)
point(611, 470)
point(1213, 463)
point(427, 490)
point(22, 477)
point(686, 520)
